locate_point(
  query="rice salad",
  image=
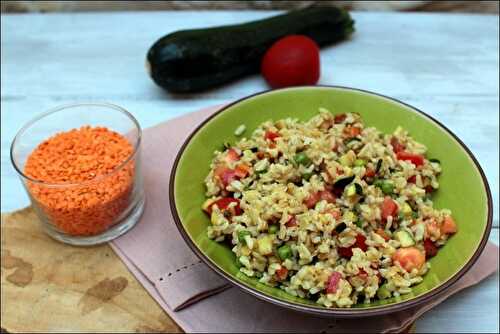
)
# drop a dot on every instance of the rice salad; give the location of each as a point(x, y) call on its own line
point(328, 209)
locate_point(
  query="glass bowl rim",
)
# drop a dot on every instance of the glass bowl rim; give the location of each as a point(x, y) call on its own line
point(63, 107)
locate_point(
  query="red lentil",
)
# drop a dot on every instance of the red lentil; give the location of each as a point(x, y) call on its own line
point(79, 156)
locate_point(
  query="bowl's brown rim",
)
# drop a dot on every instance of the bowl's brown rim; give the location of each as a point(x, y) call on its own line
point(318, 310)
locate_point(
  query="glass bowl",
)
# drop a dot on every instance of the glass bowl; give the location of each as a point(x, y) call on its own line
point(92, 211)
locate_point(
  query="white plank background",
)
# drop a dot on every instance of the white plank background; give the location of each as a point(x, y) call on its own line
point(444, 64)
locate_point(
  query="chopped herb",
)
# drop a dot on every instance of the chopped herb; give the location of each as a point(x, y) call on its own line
point(414, 215)
point(307, 176)
point(242, 234)
point(379, 165)
point(435, 160)
point(302, 159)
point(340, 227)
point(359, 223)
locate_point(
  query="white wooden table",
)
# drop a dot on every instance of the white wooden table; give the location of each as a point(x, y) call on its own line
point(444, 64)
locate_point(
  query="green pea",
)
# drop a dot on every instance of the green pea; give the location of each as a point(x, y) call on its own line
point(242, 234)
point(387, 188)
point(383, 292)
point(273, 228)
point(302, 159)
point(307, 176)
point(284, 252)
point(378, 183)
point(359, 162)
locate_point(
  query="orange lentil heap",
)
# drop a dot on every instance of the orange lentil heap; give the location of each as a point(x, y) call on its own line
point(81, 190)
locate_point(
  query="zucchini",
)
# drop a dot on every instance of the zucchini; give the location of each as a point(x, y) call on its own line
point(404, 238)
point(343, 181)
point(198, 59)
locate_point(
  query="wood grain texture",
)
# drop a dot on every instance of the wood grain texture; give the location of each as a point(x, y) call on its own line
point(90, 290)
point(69, 288)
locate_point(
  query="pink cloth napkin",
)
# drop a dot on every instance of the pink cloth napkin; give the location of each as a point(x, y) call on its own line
point(157, 255)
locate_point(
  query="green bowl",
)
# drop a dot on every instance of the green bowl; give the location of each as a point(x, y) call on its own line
point(463, 187)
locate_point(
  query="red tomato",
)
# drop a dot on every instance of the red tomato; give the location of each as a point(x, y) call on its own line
point(369, 172)
point(327, 196)
point(396, 145)
point(223, 204)
point(352, 131)
point(225, 175)
point(242, 170)
point(428, 189)
point(291, 61)
point(271, 135)
point(311, 201)
point(231, 155)
point(409, 258)
point(430, 249)
point(333, 282)
point(416, 159)
point(389, 208)
point(449, 226)
point(347, 251)
point(412, 179)
point(282, 273)
point(291, 222)
point(339, 118)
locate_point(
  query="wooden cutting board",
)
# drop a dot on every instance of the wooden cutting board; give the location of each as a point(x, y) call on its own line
point(47, 286)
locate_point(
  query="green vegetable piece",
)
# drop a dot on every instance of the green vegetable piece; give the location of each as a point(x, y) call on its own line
point(414, 215)
point(378, 183)
point(404, 237)
point(359, 162)
point(307, 176)
point(351, 190)
point(239, 130)
point(302, 159)
point(359, 223)
point(379, 165)
point(242, 234)
point(343, 181)
point(273, 228)
point(383, 292)
point(359, 189)
point(435, 160)
point(261, 171)
point(387, 187)
point(284, 252)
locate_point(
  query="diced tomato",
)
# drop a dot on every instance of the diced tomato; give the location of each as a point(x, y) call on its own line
point(383, 234)
point(335, 213)
point(291, 222)
point(333, 282)
point(327, 196)
point(430, 248)
point(362, 274)
point(231, 155)
point(242, 170)
point(449, 226)
point(412, 179)
point(361, 242)
point(271, 135)
point(428, 189)
point(416, 159)
point(339, 118)
point(389, 208)
point(347, 251)
point(225, 175)
point(409, 258)
point(223, 204)
point(369, 172)
point(396, 145)
point(311, 201)
point(352, 131)
point(282, 273)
